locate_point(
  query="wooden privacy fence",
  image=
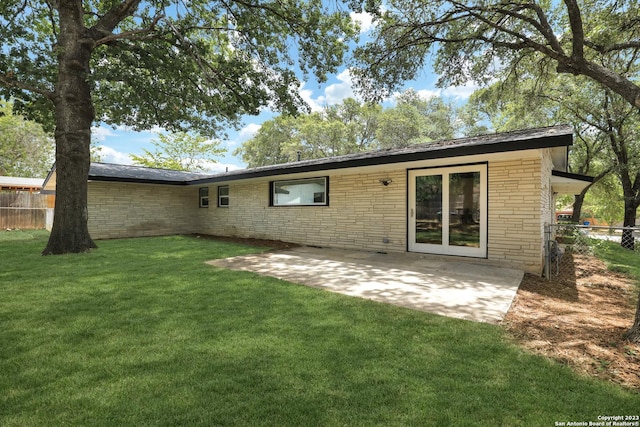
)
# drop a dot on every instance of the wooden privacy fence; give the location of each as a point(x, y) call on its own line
point(26, 211)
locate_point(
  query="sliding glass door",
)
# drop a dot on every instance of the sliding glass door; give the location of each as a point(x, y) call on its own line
point(448, 210)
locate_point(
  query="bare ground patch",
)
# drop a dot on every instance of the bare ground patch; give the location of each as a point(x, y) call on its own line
point(273, 244)
point(580, 320)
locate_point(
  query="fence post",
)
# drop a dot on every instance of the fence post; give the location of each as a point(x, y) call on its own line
point(547, 250)
point(49, 219)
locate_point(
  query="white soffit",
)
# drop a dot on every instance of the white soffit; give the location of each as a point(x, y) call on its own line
point(566, 185)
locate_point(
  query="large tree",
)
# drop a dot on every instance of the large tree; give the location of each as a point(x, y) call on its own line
point(416, 119)
point(266, 147)
point(351, 127)
point(475, 40)
point(25, 148)
point(606, 128)
point(345, 128)
point(179, 65)
point(532, 100)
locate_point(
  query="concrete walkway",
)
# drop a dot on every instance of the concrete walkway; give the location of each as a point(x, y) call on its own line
point(451, 287)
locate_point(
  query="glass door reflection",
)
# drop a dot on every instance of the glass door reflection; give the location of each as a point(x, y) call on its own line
point(464, 209)
point(448, 210)
point(428, 209)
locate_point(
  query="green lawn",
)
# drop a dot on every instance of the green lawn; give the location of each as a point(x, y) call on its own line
point(619, 259)
point(142, 332)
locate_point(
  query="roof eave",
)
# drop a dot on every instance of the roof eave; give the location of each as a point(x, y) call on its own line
point(569, 183)
point(136, 180)
point(561, 140)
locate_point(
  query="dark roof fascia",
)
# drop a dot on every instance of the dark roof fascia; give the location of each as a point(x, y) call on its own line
point(397, 156)
point(115, 178)
point(107, 172)
point(136, 180)
point(575, 176)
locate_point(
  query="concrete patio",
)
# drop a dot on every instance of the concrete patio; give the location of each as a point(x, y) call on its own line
point(454, 287)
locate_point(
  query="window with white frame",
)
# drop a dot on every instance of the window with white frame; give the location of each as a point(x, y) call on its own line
point(203, 194)
point(223, 196)
point(300, 192)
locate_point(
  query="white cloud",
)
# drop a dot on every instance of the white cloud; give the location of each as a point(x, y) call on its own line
point(110, 155)
point(364, 19)
point(101, 133)
point(307, 96)
point(337, 92)
point(249, 131)
point(332, 94)
point(153, 131)
point(461, 92)
point(244, 134)
point(428, 94)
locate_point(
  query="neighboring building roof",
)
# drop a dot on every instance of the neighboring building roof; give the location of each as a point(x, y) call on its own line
point(549, 137)
point(17, 183)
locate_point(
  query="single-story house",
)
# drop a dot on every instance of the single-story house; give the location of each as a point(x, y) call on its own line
point(486, 197)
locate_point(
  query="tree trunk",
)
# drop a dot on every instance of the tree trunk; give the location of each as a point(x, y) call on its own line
point(628, 241)
point(633, 334)
point(578, 201)
point(74, 115)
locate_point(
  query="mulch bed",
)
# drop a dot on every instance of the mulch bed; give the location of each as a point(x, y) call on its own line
point(580, 321)
point(264, 243)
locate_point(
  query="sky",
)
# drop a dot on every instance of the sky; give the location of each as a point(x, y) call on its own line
point(117, 144)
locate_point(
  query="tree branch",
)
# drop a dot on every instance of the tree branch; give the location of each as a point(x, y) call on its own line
point(113, 17)
point(631, 44)
point(142, 34)
point(546, 30)
point(577, 31)
point(7, 80)
point(477, 14)
point(19, 11)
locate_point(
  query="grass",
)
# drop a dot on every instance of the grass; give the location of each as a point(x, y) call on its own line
point(619, 259)
point(142, 332)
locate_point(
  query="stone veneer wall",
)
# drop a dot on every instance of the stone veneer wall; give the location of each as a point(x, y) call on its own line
point(133, 210)
point(516, 207)
point(548, 200)
point(363, 214)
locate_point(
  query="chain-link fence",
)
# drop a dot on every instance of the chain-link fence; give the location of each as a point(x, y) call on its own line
point(564, 242)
